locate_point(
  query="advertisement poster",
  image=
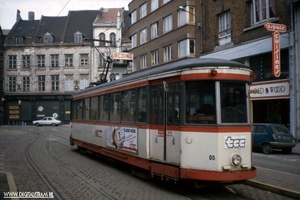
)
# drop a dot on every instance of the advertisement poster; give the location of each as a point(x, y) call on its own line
point(123, 138)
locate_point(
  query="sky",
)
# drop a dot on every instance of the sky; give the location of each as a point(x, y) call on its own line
point(8, 8)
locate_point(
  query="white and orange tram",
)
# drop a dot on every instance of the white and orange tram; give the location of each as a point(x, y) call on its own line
point(187, 120)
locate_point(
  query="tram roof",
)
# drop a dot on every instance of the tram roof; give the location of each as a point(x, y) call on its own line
point(174, 66)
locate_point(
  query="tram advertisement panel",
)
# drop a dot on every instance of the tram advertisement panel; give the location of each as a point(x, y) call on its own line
point(123, 138)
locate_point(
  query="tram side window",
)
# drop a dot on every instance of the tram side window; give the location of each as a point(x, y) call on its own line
point(129, 105)
point(157, 114)
point(200, 102)
point(74, 111)
point(79, 107)
point(233, 102)
point(94, 108)
point(142, 100)
point(115, 107)
point(174, 103)
point(104, 108)
point(87, 109)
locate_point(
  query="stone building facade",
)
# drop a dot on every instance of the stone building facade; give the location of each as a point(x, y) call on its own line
point(49, 59)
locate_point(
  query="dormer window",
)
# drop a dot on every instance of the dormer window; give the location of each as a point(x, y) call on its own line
point(47, 38)
point(19, 40)
point(78, 37)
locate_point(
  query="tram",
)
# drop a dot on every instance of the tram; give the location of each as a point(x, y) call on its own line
point(186, 120)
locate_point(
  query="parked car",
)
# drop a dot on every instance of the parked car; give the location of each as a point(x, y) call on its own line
point(47, 121)
point(272, 136)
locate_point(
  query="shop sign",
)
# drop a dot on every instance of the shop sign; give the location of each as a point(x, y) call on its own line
point(276, 71)
point(13, 107)
point(122, 56)
point(14, 112)
point(13, 116)
point(270, 90)
point(276, 29)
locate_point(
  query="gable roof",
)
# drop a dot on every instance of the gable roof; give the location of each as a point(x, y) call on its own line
point(108, 16)
point(81, 21)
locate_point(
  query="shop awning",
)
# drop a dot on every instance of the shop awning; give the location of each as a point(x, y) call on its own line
point(249, 49)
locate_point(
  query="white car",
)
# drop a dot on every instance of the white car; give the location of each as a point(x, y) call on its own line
point(47, 121)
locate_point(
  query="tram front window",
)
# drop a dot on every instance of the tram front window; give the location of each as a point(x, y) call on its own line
point(200, 102)
point(233, 102)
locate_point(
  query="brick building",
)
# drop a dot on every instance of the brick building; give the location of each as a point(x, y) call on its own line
point(164, 31)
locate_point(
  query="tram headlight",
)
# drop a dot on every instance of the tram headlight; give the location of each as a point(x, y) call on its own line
point(236, 160)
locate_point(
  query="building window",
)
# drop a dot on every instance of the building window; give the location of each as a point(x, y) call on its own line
point(112, 38)
point(84, 82)
point(262, 10)
point(102, 59)
point(41, 83)
point(224, 28)
point(25, 61)
point(69, 83)
point(143, 36)
point(41, 60)
point(69, 60)
point(54, 60)
point(102, 39)
point(168, 53)
point(154, 5)
point(12, 62)
point(168, 24)
point(154, 57)
point(134, 64)
point(84, 60)
point(143, 10)
point(186, 15)
point(186, 48)
point(133, 17)
point(26, 84)
point(143, 61)
point(112, 77)
point(19, 40)
point(154, 30)
point(77, 37)
point(47, 38)
point(12, 83)
point(133, 40)
point(55, 82)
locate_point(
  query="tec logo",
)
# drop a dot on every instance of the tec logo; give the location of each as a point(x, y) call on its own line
point(235, 142)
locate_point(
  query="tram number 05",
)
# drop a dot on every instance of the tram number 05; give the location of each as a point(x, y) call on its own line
point(211, 157)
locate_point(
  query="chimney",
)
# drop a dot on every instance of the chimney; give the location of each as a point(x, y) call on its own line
point(18, 16)
point(30, 16)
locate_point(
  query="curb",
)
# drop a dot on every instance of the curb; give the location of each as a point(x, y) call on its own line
point(274, 189)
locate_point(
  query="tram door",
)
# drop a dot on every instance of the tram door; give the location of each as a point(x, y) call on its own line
point(164, 142)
